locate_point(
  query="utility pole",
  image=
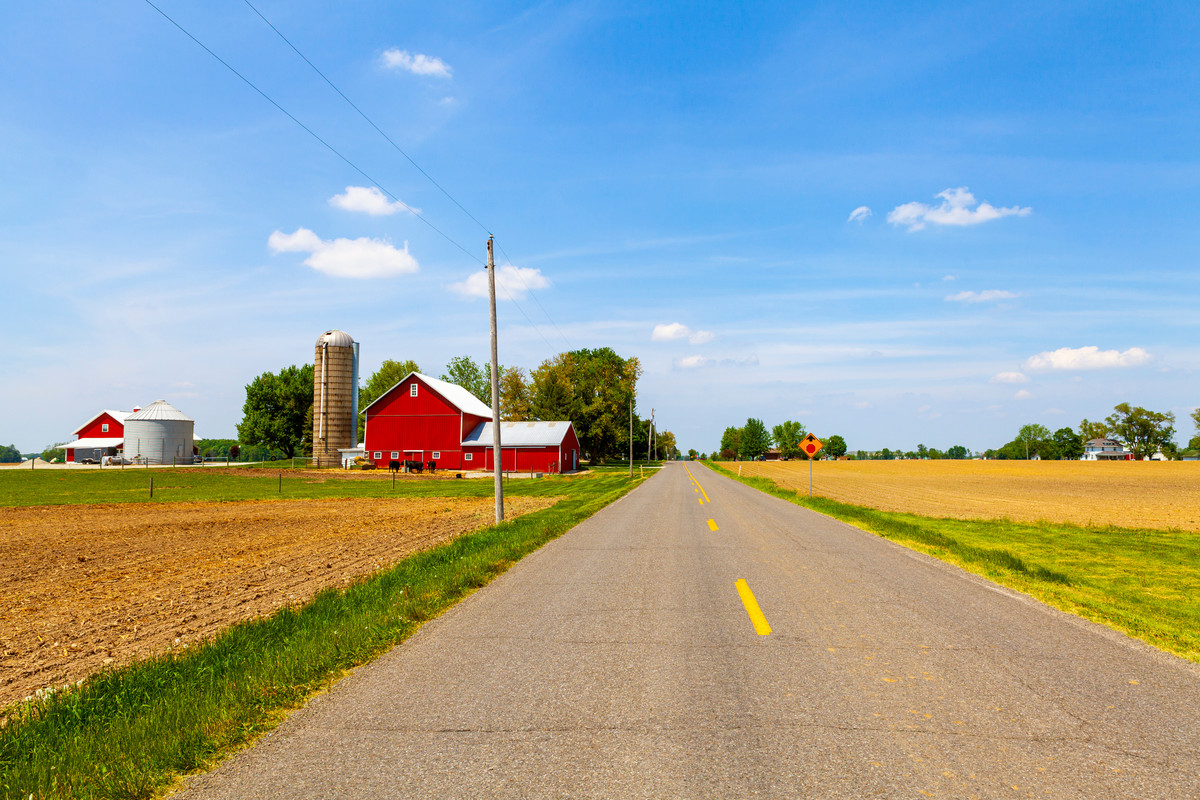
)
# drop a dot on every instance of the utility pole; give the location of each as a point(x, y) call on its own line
point(631, 433)
point(650, 437)
point(497, 453)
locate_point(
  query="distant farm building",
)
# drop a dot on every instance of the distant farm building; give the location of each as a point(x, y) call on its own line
point(1105, 450)
point(425, 419)
point(159, 434)
point(335, 397)
point(100, 436)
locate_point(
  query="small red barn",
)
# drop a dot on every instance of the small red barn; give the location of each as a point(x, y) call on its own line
point(425, 419)
point(102, 435)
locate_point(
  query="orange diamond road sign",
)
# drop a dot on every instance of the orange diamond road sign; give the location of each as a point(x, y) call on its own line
point(810, 444)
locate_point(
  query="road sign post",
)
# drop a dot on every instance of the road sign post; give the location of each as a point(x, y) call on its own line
point(811, 445)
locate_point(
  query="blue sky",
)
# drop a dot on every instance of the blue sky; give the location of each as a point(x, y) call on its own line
point(904, 223)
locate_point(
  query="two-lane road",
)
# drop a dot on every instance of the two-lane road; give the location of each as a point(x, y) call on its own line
point(700, 639)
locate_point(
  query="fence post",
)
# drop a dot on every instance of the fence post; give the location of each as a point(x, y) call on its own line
point(151, 487)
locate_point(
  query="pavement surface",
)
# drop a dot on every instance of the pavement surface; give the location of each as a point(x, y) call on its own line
point(628, 660)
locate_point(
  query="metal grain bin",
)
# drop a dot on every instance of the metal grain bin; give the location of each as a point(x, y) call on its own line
point(159, 434)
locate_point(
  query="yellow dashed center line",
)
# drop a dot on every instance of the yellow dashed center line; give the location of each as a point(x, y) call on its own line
point(712, 525)
point(756, 615)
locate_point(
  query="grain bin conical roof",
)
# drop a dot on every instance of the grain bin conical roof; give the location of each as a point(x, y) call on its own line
point(160, 409)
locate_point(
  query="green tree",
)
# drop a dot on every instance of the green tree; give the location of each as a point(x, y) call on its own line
point(692, 454)
point(886, 454)
point(755, 440)
point(1030, 436)
point(473, 377)
point(664, 443)
point(595, 390)
point(835, 447)
point(1194, 444)
point(1143, 432)
point(9, 454)
point(275, 409)
point(388, 375)
point(958, 452)
point(54, 451)
point(731, 442)
point(1093, 430)
point(787, 436)
point(516, 395)
point(1069, 443)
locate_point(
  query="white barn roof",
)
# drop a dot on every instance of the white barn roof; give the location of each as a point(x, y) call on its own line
point(520, 434)
point(96, 442)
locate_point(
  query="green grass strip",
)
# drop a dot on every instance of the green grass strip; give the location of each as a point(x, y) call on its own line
point(1143, 582)
point(132, 732)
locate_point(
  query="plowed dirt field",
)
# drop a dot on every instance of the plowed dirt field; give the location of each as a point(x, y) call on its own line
point(84, 587)
point(1127, 494)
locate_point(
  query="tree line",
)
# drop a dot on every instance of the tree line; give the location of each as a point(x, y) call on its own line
point(752, 440)
point(593, 388)
point(1142, 432)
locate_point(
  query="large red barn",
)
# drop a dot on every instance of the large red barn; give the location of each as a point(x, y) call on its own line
point(425, 419)
point(102, 435)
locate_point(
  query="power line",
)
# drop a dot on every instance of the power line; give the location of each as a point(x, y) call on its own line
point(313, 134)
point(534, 296)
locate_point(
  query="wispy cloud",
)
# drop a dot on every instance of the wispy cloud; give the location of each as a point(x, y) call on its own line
point(693, 362)
point(859, 215)
point(986, 296)
point(1087, 358)
point(1009, 377)
point(346, 258)
point(955, 209)
point(512, 283)
point(677, 330)
point(369, 200)
point(699, 362)
point(1023, 395)
point(416, 63)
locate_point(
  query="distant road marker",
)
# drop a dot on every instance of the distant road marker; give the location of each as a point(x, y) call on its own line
point(756, 615)
point(712, 525)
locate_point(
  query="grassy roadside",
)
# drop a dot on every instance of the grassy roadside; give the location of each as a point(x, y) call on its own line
point(132, 732)
point(1145, 583)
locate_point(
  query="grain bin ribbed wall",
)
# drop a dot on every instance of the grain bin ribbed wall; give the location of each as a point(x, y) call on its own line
point(159, 434)
point(334, 384)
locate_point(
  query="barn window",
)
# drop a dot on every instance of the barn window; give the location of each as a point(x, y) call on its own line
point(377, 455)
point(412, 390)
point(395, 454)
point(436, 455)
point(469, 457)
point(104, 428)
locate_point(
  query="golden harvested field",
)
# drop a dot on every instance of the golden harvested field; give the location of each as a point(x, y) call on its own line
point(1127, 494)
point(83, 587)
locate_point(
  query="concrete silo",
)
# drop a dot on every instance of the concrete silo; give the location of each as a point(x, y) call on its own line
point(159, 434)
point(335, 397)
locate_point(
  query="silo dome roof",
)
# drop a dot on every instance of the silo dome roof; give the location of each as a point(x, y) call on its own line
point(335, 339)
point(160, 409)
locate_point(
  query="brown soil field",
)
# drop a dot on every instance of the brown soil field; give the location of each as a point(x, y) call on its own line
point(84, 587)
point(1126, 494)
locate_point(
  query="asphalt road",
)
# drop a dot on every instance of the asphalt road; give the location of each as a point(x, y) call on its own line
point(622, 661)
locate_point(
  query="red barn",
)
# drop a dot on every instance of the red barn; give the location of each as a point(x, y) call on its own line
point(425, 419)
point(102, 435)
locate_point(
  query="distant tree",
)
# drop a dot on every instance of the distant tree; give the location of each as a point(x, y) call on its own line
point(886, 454)
point(755, 440)
point(388, 375)
point(9, 454)
point(1194, 444)
point(516, 395)
point(275, 409)
point(1143, 432)
point(235, 450)
point(592, 388)
point(54, 451)
point(1069, 443)
point(731, 443)
point(787, 436)
point(835, 446)
point(1093, 430)
point(1030, 436)
point(664, 443)
point(861, 455)
point(922, 451)
point(958, 452)
point(692, 454)
point(935, 454)
point(475, 378)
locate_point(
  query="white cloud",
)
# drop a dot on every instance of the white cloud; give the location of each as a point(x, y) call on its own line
point(1009, 377)
point(955, 209)
point(1078, 358)
point(986, 296)
point(863, 404)
point(1023, 395)
point(512, 283)
point(859, 215)
point(693, 362)
point(368, 200)
point(346, 258)
point(417, 64)
point(677, 330)
point(949, 277)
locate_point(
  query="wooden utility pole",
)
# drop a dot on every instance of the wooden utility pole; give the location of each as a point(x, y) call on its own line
point(649, 437)
point(631, 433)
point(497, 453)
